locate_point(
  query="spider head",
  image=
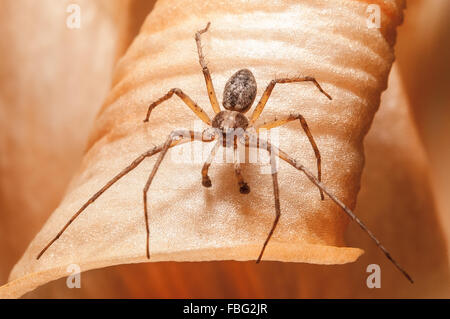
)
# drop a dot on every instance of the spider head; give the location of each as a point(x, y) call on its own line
point(240, 91)
point(230, 122)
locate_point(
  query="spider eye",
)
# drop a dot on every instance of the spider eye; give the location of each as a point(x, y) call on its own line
point(240, 91)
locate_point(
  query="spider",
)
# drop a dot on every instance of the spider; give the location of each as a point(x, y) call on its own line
point(230, 127)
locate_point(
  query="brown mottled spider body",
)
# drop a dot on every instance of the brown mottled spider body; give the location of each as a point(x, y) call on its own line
point(230, 124)
point(230, 127)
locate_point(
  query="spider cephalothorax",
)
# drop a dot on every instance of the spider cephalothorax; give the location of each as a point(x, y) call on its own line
point(230, 127)
point(230, 124)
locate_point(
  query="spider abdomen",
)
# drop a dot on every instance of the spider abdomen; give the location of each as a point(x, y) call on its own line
point(240, 91)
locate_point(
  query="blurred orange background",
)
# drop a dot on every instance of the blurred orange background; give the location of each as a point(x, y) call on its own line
point(46, 116)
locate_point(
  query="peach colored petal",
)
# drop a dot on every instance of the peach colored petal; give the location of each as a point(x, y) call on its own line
point(406, 220)
point(52, 81)
point(191, 223)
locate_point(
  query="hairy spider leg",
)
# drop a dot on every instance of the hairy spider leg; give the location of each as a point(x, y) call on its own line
point(265, 97)
point(293, 117)
point(206, 73)
point(170, 139)
point(206, 181)
point(243, 186)
point(111, 182)
point(288, 159)
point(186, 99)
point(276, 193)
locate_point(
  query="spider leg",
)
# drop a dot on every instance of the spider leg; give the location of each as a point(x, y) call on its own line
point(184, 134)
point(243, 186)
point(262, 102)
point(276, 193)
point(206, 74)
point(206, 181)
point(111, 182)
point(284, 156)
point(293, 117)
point(186, 99)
